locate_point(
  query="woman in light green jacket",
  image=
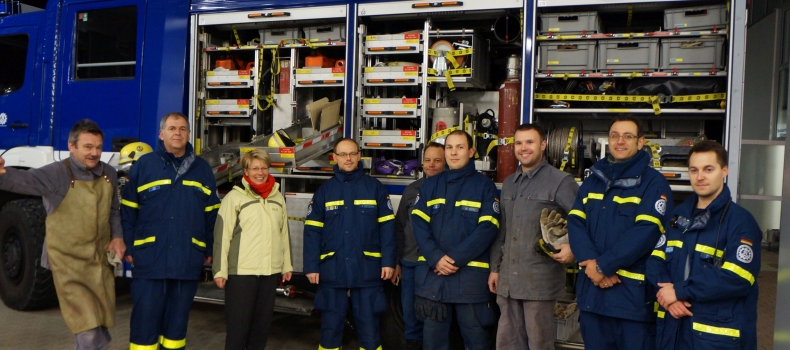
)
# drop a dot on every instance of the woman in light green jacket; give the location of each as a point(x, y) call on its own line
point(251, 252)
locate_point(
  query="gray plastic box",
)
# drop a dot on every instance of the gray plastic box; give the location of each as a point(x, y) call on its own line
point(573, 23)
point(567, 56)
point(273, 36)
point(692, 54)
point(333, 32)
point(628, 56)
point(696, 18)
point(566, 327)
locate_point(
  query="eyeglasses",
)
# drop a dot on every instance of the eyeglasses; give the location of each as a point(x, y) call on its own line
point(344, 155)
point(626, 137)
point(255, 170)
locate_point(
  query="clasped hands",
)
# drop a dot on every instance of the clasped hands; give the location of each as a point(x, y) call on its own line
point(598, 279)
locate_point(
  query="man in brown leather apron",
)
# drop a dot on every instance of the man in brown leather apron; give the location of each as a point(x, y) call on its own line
point(83, 222)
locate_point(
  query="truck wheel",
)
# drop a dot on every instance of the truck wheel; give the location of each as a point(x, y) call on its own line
point(24, 284)
point(392, 326)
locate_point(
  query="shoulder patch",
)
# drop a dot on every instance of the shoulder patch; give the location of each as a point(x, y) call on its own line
point(661, 241)
point(496, 206)
point(745, 254)
point(661, 205)
point(310, 208)
point(389, 203)
point(417, 199)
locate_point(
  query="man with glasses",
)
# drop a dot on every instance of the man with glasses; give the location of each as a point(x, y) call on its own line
point(618, 217)
point(349, 249)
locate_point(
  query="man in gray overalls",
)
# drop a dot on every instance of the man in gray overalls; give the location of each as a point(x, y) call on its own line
point(83, 222)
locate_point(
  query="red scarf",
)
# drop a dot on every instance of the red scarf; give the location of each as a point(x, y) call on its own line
point(263, 189)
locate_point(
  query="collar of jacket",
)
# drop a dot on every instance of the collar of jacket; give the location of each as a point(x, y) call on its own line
point(459, 174)
point(531, 172)
point(181, 164)
point(627, 174)
point(686, 209)
point(344, 176)
point(244, 187)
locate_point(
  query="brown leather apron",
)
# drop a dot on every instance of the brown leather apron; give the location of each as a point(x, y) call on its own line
point(78, 233)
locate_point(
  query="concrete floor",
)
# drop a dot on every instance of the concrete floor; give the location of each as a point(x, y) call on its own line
point(44, 330)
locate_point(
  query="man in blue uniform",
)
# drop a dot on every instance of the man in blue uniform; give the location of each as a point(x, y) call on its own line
point(168, 211)
point(706, 267)
point(408, 252)
point(615, 222)
point(455, 219)
point(349, 245)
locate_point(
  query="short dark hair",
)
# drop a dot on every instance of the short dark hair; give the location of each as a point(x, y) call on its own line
point(461, 132)
point(334, 148)
point(628, 118)
point(431, 145)
point(536, 127)
point(711, 146)
point(83, 126)
point(172, 115)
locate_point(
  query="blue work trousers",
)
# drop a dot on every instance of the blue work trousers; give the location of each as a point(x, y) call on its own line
point(412, 325)
point(366, 304)
point(610, 333)
point(473, 321)
point(160, 312)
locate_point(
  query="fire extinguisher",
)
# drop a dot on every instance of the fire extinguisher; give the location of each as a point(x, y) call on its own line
point(509, 111)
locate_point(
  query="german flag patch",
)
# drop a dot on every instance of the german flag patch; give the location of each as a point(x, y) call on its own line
point(746, 241)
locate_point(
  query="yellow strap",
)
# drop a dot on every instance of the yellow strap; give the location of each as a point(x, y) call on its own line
point(708, 250)
point(296, 218)
point(650, 218)
point(324, 256)
point(449, 57)
point(212, 207)
point(153, 184)
point(364, 202)
point(631, 275)
point(675, 243)
point(621, 200)
point(468, 204)
point(566, 151)
point(489, 218)
point(739, 271)
point(421, 214)
point(700, 97)
point(198, 243)
point(198, 185)
point(478, 264)
point(130, 204)
point(729, 332)
point(387, 218)
point(373, 254)
point(236, 34)
point(450, 84)
point(443, 133)
point(144, 241)
point(591, 195)
point(660, 254)
point(654, 149)
point(172, 344)
point(133, 346)
point(334, 204)
point(314, 223)
point(578, 213)
point(436, 201)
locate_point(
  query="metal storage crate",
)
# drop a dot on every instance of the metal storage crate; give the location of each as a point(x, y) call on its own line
point(692, 54)
point(329, 32)
point(273, 36)
point(567, 57)
point(566, 326)
point(576, 22)
point(696, 18)
point(628, 56)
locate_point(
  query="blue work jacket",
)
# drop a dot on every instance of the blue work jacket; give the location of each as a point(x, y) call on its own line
point(619, 215)
point(349, 234)
point(168, 211)
point(456, 214)
point(712, 257)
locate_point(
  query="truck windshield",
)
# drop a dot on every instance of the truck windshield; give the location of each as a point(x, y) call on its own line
point(106, 43)
point(13, 58)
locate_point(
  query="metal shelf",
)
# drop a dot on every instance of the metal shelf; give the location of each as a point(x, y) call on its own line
point(632, 75)
point(629, 110)
point(660, 34)
point(464, 82)
point(273, 46)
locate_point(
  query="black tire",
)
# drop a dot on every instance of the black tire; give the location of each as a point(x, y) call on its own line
point(24, 284)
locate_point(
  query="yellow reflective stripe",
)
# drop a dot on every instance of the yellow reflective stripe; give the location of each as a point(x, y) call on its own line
point(490, 218)
point(661, 314)
point(387, 218)
point(133, 346)
point(199, 243)
point(323, 348)
point(198, 185)
point(421, 258)
point(323, 256)
point(172, 344)
point(212, 207)
point(621, 200)
point(152, 184)
point(655, 306)
point(650, 218)
point(730, 332)
point(314, 223)
point(145, 240)
point(598, 196)
point(421, 214)
point(468, 204)
point(708, 250)
point(436, 201)
point(373, 254)
point(378, 348)
point(660, 254)
point(631, 275)
point(739, 271)
point(478, 264)
point(334, 204)
point(578, 213)
point(130, 204)
point(364, 202)
point(673, 243)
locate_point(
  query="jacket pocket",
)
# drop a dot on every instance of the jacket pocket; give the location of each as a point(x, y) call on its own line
point(628, 295)
point(144, 248)
point(712, 335)
point(474, 280)
point(372, 266)
point(326, 267)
